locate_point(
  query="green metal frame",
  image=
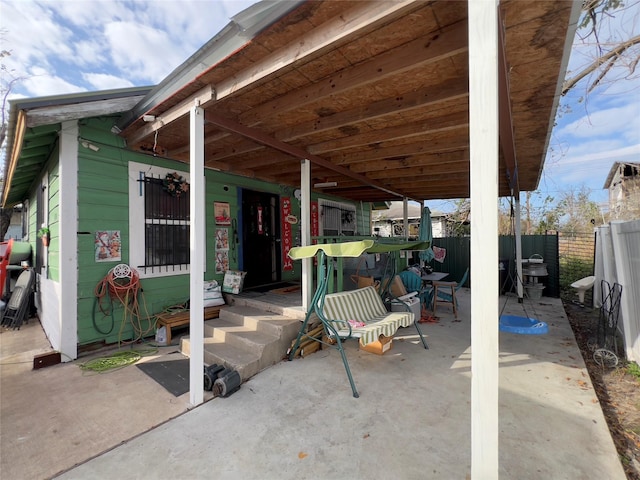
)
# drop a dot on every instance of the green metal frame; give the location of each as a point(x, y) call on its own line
point(324, 274)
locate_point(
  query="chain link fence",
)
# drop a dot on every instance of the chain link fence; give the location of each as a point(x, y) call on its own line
point(576, 253)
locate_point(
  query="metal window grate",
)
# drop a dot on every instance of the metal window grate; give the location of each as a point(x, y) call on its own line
point(337, 218)
point(166, 227)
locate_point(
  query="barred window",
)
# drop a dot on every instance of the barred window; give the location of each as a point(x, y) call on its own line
point(159, 223)
point(166, 226)
point(337, 218)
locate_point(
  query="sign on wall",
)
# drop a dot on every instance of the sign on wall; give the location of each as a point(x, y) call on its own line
point(287, 237)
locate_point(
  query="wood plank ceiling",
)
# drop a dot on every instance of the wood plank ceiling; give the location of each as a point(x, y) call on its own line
point(375, 94)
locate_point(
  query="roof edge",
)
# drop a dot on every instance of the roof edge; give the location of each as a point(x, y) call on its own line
point(240, 31)
point(576, 9)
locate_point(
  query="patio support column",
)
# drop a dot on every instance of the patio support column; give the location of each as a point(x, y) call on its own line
point(305, 231)
point(518, 249)
point(483, 141)
point(405, 217)
point(197, 244)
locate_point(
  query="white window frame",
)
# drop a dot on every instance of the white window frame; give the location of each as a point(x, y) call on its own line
point(137, 173)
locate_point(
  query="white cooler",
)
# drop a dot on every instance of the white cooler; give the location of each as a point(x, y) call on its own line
point(412, 300)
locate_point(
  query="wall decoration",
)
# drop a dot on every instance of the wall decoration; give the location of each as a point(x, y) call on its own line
point(260, 219)
point(221, 213)
point(222, 261)
point(315, 220)
point(222, 250)
point(222, 239)
point(315, 226)
point(108, 246)
point(175, 184)
point(287, 237)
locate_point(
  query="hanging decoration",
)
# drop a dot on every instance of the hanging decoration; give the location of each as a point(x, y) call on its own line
point(175, 184)
point(287, 236)
point(315, 225)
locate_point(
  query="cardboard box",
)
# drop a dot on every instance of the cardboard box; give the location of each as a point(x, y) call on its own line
point(380, 347)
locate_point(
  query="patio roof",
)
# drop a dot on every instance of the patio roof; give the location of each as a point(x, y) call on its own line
point(374, 94)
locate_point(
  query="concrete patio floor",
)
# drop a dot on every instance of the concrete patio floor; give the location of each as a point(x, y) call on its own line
point(299, 419)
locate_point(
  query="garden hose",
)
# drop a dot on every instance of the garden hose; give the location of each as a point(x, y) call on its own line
point(115, 361)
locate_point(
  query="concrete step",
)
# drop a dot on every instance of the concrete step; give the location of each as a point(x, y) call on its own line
point(266, 306)
point(245, 362)
point(247, 339)
point(269, 322)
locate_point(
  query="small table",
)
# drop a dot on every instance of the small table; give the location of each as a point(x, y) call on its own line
point(434, 277)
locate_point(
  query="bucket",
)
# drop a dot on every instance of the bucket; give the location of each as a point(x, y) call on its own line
point(534, 292)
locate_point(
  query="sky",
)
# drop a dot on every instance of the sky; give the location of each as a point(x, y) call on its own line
point(69, 46)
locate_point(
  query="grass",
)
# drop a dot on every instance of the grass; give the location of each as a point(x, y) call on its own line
point(634, 370)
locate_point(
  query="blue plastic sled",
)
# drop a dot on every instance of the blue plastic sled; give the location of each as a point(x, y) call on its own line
point(522, 325)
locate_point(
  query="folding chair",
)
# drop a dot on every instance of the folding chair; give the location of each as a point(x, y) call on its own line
point(16, 309)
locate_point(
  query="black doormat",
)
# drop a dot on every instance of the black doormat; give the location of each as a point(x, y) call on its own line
point(172, 372)
point(271, 286)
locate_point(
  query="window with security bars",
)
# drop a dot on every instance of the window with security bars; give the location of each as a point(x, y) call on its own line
point(166, 233)
point(337, 219)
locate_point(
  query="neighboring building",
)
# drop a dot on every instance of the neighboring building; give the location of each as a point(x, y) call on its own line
point(390, 222)
point(623, 183)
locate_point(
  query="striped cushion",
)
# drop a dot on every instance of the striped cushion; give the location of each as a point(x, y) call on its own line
point(364, 305)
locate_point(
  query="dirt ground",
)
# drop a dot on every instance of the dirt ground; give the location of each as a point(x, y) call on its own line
point(617, 390)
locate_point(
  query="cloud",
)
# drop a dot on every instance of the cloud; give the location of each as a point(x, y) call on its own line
point(104, 81)
point(605, 122)
point(40, 83)
point(140, 41)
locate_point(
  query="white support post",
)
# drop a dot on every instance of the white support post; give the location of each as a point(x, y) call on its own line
point(519, 249)
point(483, 141)
point(197, 244)
point(405, 218)
point(305, 233)
point(68, 240)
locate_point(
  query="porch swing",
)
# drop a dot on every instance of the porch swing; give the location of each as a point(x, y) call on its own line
point(357, 313)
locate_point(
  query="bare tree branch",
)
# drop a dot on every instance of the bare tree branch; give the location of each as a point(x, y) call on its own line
point(610, 56)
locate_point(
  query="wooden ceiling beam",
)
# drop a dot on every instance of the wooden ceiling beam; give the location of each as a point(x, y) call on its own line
point(432, 48)
point(428, 97)
point(444, 124)
point(337, 31)
point(443, 161)
point(412, 100)
point(296, 152)
point(201, 97)
point(418, 147)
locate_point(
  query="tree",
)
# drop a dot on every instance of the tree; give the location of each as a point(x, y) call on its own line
point(573, 214)
point(614, 57)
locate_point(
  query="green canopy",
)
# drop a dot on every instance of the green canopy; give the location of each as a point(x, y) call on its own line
point(354, 249)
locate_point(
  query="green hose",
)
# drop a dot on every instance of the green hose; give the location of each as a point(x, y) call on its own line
point(115, 361)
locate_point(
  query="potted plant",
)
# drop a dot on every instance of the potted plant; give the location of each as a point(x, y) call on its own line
point(43, 233)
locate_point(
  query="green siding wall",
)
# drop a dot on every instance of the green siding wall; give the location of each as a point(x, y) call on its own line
point(103, 202)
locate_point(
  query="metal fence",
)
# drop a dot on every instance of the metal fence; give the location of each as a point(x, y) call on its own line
point(458, 257)
point(576, 253)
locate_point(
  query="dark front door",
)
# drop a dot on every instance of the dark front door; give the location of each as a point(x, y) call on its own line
point(261, 238)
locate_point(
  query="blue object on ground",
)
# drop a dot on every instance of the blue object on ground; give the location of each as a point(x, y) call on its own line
point(522, 325)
